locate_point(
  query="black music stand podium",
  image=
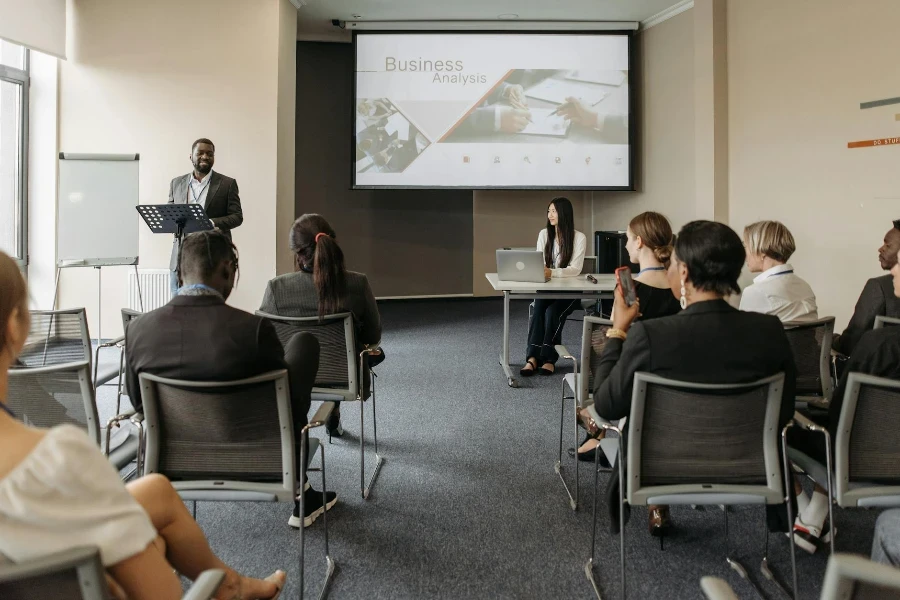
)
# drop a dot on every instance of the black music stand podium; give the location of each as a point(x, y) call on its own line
point(179, 219)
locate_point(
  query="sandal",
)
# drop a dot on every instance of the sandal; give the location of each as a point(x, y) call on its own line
point(525, 371)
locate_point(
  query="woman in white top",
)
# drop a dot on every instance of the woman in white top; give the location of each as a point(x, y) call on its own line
point(563, 249)
point(777, 290)
point(57, 491)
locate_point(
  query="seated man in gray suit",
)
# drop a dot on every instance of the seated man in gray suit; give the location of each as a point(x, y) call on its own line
point(216, 193)
point(196, 336)
point(877, 297)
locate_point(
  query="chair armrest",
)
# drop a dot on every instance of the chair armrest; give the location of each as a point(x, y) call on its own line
point(807, 424)
point(373, 350)
point(111, 343)
point(138, 418)
point(118, 418)
point(716, 589)
point(321, 415)
point(206, 585)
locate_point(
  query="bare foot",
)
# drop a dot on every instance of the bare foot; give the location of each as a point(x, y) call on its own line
point(236, 587)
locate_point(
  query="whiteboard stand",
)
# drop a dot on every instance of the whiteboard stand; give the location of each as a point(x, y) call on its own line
point(63, 264)
point(96, 226)
point(179, 219)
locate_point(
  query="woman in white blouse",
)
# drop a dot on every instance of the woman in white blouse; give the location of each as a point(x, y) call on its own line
point(777, 290)
point(563, 249)
point(57, 491)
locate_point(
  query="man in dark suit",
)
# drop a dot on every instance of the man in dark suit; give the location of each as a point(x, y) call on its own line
point(877, 297)
point(216, 193)
point(196, 336)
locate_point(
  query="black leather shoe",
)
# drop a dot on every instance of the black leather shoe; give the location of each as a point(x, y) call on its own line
point(333, 426)
point(660, 523)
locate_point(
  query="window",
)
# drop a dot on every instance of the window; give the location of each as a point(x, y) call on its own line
point(13, 150)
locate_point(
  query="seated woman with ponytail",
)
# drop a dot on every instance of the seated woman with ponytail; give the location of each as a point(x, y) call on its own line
point(322, 286)
point(649, 245)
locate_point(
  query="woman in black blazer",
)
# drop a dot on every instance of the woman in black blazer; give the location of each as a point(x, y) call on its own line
point(707, 342)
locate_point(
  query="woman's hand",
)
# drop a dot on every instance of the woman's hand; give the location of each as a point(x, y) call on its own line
point(547, 273)
point(623, 315)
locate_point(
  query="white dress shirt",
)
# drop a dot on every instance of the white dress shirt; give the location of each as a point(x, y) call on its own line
point(577, 260)
point(778, 291)
point(198, 190)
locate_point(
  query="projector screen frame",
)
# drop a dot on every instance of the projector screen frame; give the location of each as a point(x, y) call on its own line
point(632, 154)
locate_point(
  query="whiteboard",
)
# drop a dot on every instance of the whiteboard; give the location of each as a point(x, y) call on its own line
point(96, 221)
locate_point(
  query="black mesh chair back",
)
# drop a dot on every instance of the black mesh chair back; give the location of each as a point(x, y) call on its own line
point(55, 395)
point(811, 344)
point(213, 431)
point(867, 445)
point(712, 437)
point(688, 435)
point(75, 574)
point(338, 361)
point(56, 337)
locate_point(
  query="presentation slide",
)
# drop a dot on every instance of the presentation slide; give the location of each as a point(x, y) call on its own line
point(492, 110)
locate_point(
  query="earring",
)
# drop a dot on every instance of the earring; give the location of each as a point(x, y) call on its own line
point(683, 300)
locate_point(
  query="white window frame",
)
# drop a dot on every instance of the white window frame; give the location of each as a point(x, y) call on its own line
point(21, 77)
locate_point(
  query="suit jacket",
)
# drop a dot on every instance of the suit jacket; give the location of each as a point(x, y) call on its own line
point(294, 295)
point(877, 298)
point(223, 204)
point(199, 338)
point(708, 342)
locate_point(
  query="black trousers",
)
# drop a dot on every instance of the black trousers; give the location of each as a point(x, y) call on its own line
point(301, 354)
point(545, 329)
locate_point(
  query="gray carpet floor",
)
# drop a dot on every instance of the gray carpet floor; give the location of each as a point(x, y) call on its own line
point(468, 505)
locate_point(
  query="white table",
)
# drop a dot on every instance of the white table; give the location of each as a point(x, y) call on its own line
point(561, 288)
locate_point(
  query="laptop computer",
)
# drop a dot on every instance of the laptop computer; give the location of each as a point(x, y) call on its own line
point(521, 265)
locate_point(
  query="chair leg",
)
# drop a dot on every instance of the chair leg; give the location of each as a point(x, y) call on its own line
point(573, 500)
point(304, 437)
point(830, 467)
point(735, 565)
point(120, 385)
point(788, 492)
point(194, 510)
point(764, 567)
point(589, 565)
point(622, 488)
point(365, 489)
point(330, 565)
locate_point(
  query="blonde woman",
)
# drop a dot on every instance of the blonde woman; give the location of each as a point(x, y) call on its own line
point(777, 290)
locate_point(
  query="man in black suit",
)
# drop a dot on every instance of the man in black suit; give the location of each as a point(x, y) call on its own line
point(196, 336)
point(216, 193)
point(877, 297)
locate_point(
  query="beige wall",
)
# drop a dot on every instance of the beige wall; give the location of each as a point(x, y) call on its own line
point(150, 77)
point(797, 74)
point(287, 118)
point(514, 219)
point(665, 123)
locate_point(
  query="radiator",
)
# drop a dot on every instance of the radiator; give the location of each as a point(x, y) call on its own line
point(155, 289)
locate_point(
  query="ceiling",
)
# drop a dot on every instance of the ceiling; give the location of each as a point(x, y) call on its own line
point(315, 18)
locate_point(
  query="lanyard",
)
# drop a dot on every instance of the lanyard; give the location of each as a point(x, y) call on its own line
point(5, 409)
point(651, 269)
point(200, 195)
point(782, 273)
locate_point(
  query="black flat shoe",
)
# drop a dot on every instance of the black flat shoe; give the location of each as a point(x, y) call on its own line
point(546, 372)
point(590, 456)
point(528, 372)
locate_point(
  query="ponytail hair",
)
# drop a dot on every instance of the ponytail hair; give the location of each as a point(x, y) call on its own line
point(316, 249)
point(655, 233)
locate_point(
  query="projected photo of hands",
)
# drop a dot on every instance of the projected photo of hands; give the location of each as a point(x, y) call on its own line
point(386, 142)
point(493, 110)
point(557, 105)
